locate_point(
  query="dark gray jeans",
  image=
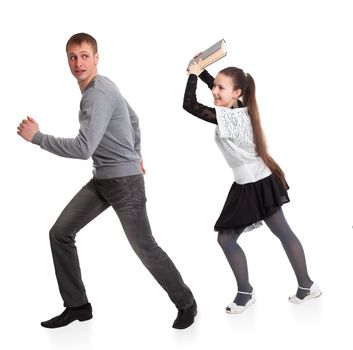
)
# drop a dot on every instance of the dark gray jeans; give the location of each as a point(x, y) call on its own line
point(127, 196)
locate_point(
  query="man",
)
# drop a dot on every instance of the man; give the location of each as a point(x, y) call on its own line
point(109, 133)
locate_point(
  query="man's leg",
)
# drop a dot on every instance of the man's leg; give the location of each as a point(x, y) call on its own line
point(83, 208)
point(127, 197)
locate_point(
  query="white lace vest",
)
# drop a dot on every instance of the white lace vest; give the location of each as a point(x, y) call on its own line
point(234, 137)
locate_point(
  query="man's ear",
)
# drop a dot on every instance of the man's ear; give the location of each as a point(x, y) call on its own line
point(96, 58)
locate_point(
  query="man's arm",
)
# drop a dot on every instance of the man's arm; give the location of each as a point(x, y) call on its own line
point(96, 112)
point(137, 133)
point(136, 127)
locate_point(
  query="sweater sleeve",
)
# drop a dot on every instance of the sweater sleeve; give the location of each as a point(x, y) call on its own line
point(195, 108)
point(95, 115)
point(136, 127)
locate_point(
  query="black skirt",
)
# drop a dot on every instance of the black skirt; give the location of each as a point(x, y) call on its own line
point(247, 205)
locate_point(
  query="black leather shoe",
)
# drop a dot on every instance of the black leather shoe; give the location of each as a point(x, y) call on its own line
point(70, 314)
point(185, 317)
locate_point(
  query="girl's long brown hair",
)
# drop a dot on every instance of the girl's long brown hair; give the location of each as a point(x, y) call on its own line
point(246, 83)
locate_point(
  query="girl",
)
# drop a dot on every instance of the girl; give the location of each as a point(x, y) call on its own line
point(260, 187)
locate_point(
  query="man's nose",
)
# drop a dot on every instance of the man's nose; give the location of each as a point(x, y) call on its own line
point(78, 62)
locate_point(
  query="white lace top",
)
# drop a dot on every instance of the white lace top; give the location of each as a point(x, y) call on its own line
point(234, 137)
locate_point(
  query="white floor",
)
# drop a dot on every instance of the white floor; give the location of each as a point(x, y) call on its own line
point(131, 311)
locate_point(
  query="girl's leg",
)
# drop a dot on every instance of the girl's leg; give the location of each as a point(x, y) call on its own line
point(293, 248)
point(227, 239)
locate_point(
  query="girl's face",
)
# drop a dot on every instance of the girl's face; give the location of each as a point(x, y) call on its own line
point(223, 91)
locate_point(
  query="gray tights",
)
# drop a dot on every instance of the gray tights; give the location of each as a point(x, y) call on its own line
point(237, 259)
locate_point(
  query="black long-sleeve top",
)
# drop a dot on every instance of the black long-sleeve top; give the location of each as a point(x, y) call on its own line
point(191, 104)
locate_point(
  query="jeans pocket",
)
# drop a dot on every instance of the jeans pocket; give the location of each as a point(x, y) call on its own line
point(126, 192)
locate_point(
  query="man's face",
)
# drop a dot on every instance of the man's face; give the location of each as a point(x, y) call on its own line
point(83, 62)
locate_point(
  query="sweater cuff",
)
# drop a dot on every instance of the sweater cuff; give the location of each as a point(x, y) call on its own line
point(37, 138)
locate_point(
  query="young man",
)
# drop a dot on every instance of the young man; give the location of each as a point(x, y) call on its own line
point(109, 133)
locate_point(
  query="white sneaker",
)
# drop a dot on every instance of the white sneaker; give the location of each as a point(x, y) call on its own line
point(234, 308)
point(314, 292)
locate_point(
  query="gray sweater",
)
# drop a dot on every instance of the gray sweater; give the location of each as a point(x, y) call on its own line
point(109, 133)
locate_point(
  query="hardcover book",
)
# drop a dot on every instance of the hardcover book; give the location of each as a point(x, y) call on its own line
point(213, 53)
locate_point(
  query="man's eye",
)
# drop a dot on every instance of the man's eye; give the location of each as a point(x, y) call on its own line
point(84, 56)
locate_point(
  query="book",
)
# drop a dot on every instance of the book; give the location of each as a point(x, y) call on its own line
point(212, 54)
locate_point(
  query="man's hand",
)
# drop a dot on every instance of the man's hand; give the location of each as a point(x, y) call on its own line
point(142, 167)
point(27, 128)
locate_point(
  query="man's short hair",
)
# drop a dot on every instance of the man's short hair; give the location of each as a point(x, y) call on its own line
point(79, 38)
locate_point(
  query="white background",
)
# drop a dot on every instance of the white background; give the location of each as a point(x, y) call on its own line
point(299, 53)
